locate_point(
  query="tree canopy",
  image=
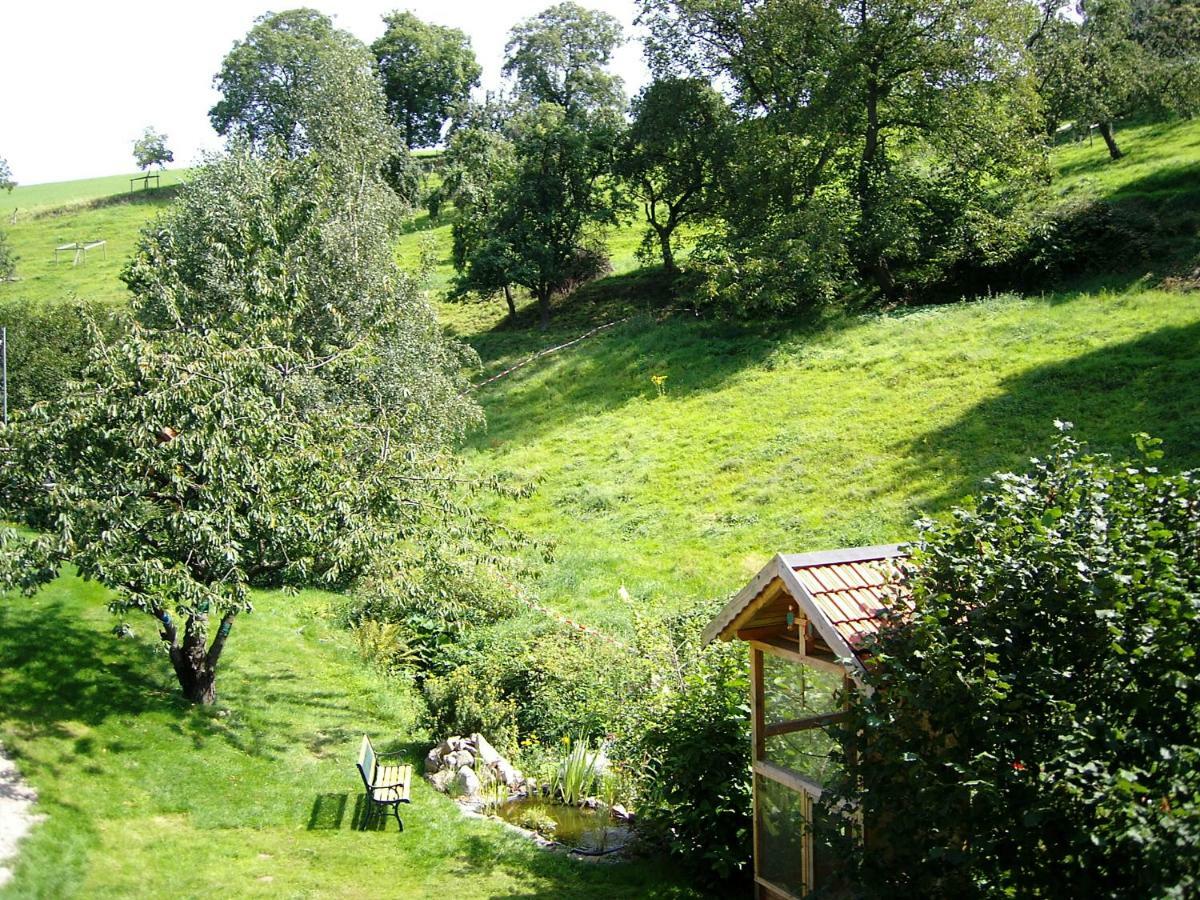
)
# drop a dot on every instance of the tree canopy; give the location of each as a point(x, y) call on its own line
point(151, 150)
point(427, 69)
point(672, 156)
point(297, 80)
point(280, 411)
point(559, 56)
point(542, 233)
point(880, 141)
point(1033, 725)
point(6, 179)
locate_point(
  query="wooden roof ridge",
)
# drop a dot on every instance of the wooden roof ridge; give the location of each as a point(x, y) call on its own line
point(818, 603)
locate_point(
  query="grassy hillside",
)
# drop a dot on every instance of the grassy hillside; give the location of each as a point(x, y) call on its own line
point(834, 430)
point(834, 434)
point(257, 797)
point(48, 216)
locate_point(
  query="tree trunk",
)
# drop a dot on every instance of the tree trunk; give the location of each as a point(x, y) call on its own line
point(194, 661)
point(512, 306)
point(1106, 132)
point(664, 243)
point(543, 298)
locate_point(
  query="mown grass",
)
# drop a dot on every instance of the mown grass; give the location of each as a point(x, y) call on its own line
point(258, 796)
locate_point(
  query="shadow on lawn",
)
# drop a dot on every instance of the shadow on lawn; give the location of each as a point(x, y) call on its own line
point(1145, 385)
point(56, 669)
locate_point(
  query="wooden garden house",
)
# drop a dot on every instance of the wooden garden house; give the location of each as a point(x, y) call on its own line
point(805, 618)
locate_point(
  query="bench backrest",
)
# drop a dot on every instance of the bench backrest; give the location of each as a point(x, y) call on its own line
point(366, 762)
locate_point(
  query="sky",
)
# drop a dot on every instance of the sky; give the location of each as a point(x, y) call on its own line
point(80, 81)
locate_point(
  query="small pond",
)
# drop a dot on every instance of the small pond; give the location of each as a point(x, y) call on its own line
point(588, 830)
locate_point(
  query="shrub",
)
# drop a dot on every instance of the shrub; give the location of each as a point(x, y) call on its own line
point(1035, 725)
point(692, 750)
point(8, 260)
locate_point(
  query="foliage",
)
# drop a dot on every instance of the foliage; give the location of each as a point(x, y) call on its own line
point(479, 162)
point(256, 788)
point(8, 259)
point(1035, 717)
point(896, 142)
point(579, 772)
point(383, 645)
point(542, 235)
point(48, 346)
point(151, 150)
point(427, 69)
point(672, 157)
point(6, 179)
point(280, 411)
point(297, 80)
point(690, 749)
point(1101, 60)
point(559, 56)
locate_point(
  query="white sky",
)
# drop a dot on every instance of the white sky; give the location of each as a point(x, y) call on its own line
point(79, 81)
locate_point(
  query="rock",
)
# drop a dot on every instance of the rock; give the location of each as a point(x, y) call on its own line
point(621, 813)
point(467, 781)
point(460, 758)
point(441, 780)
point(591, 803)
point(484, 750)
point(505, 772)
point(433, 761)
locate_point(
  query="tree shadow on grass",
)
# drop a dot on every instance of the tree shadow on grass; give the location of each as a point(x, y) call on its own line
point(56, 669)
point(1151, 385)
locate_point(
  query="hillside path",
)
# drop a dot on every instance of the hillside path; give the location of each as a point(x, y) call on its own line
point(16, 797)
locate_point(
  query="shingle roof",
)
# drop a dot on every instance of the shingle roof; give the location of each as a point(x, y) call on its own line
point(852, 594)
point(842, 591)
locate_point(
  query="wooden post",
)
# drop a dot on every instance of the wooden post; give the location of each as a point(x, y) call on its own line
point(758, 744)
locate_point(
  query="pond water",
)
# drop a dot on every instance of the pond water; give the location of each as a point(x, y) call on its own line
point(583, 829)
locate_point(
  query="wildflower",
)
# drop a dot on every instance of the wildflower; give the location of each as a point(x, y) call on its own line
point(1018, 766)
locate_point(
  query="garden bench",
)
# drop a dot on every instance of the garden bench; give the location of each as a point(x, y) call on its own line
point(387, 785)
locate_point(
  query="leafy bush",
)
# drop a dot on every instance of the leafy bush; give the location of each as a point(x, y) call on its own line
point(691, 746)
point(1035, 725)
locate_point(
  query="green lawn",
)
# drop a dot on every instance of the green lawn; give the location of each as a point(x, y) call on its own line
point(258, 796)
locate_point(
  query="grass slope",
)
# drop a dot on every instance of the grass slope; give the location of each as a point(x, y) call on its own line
point(834, 434)
point(257, 797)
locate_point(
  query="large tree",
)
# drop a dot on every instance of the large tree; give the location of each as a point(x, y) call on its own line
point(6, 179)
point(881, 139)
point(280, 411)
point(543, 234)
point(427, 69)
point(671, 157)
point(560, 56)
point(1034, 728)
point(298, 80)
point(478, 167)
